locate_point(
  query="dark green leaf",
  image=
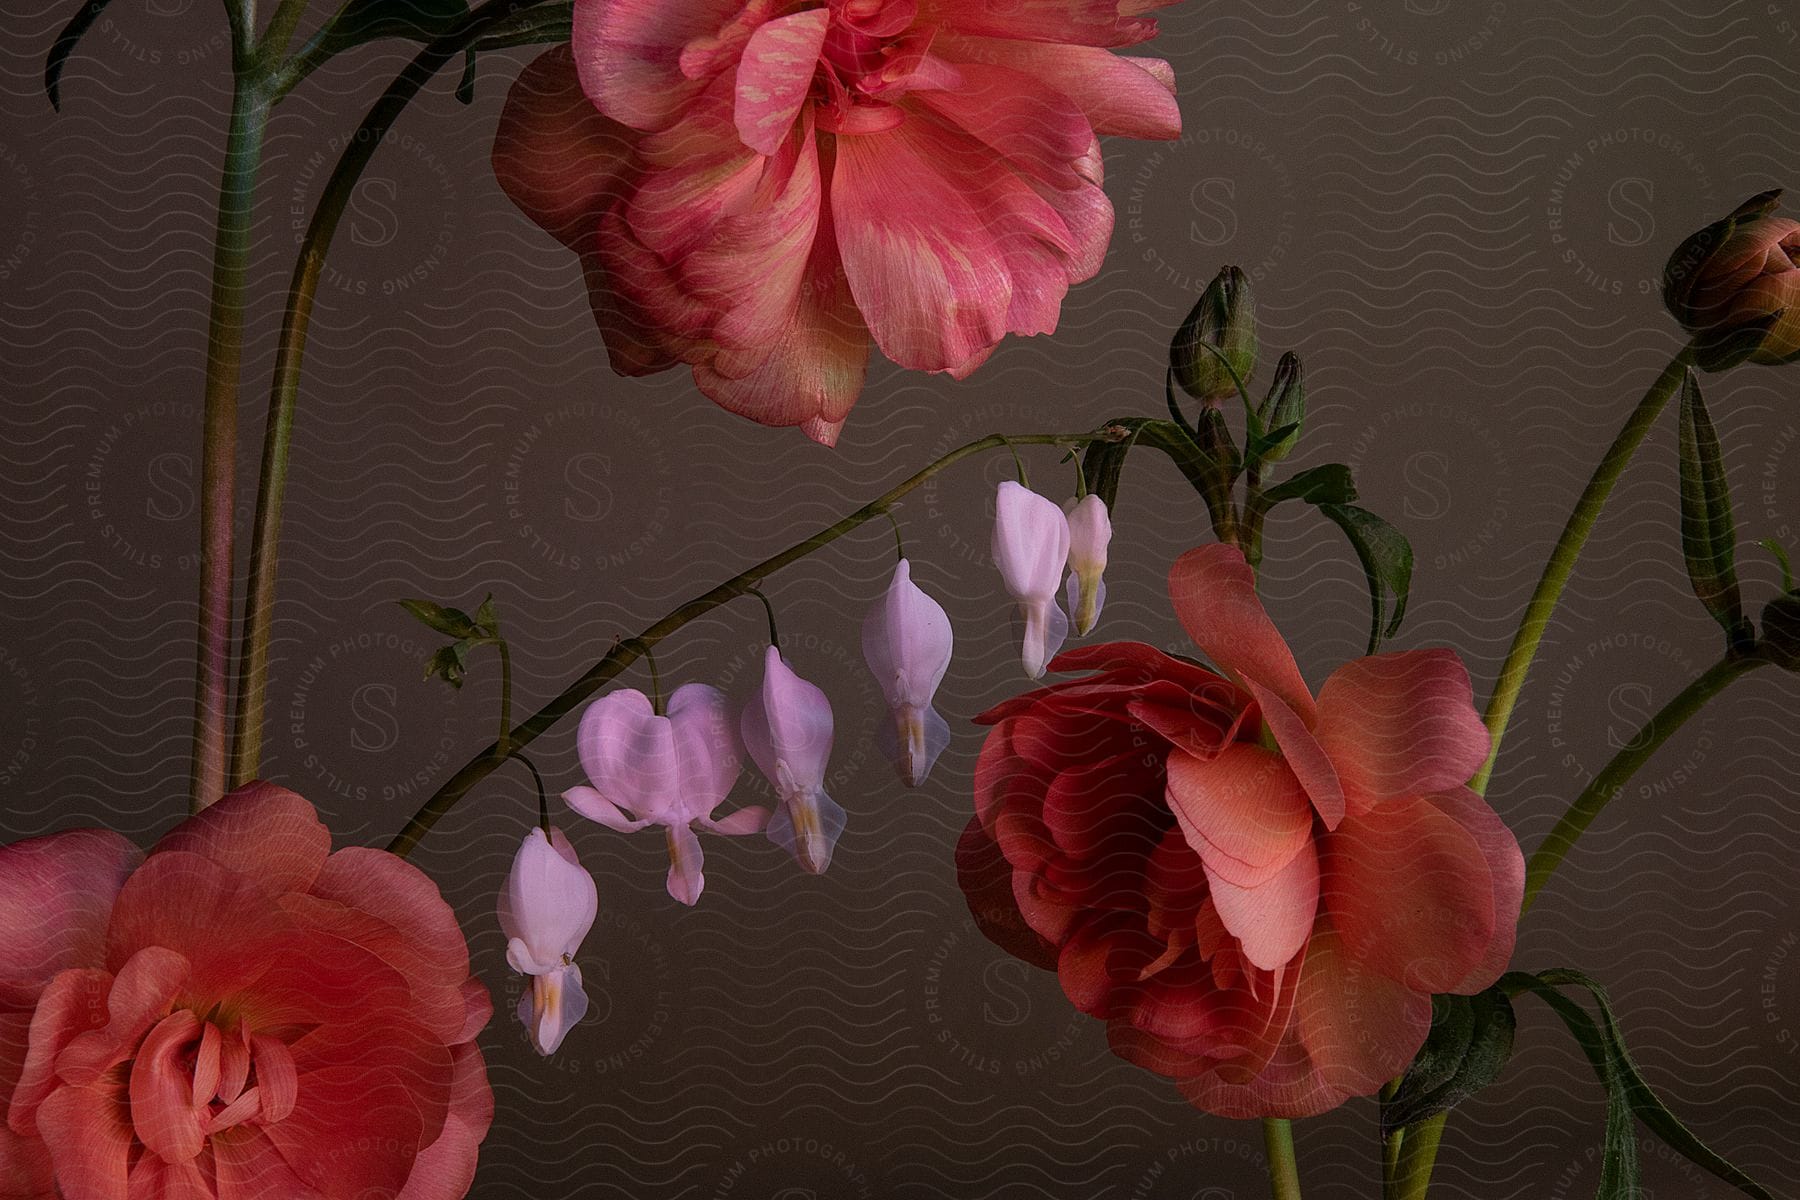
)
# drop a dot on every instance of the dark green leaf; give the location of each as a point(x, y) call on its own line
point(465, 86)
point(1628, 1094)
point(448, 664)
point(370, 20)
point(450, 622)
point(1329, 484)
point(1387, 560)
point(487, 616)
point(542, 24)
point(1104, 464)
point(1470, 1042)
point(1708, 532)
point(1781, 556)
point(64, 46)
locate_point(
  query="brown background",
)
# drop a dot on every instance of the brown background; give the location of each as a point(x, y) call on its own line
point(1455, 211)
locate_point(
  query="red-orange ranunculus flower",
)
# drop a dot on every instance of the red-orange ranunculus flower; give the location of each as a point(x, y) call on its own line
point(1259, 890)
point(239, 1014)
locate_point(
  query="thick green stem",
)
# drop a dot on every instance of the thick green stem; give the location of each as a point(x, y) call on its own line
point(1612, 778)
point(1411, 1177)
point(623, 654)
point(1284, 1172)
point(503, 745)
point(259, 598)
point(218, 454)
point(1568, 549)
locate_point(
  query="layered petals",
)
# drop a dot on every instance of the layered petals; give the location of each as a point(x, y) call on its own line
point(763, 189)
point(907, 642)
point(232, 1014)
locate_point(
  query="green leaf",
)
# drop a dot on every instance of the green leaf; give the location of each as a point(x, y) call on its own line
point(1470, 1042)
point(1628, 1095)
point(1329, 484)
point(1387, 561)
point(542, 24)
point(487, 616)
point(448, 663)
point(1104, 463)
point(1708, 532)
point(370, 20)
point(450, 622)
point(64, 46)
point(1781, 556)
point(465, 86)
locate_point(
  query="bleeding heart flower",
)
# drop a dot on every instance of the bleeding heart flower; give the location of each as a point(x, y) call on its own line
point(1031, 546)
point(907, 643)
point(787, 729)
point(1090, 531)
point(671, 770)
point(761, 189)
point(548, 906)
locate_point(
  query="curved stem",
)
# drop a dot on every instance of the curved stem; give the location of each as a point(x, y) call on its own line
point(218, 454)
point(1568, 549)
point(500, 745)
point(1612, 778)
point(1284, 1172)
point(259, 598)
point(627, 652)
point(1418, 1154)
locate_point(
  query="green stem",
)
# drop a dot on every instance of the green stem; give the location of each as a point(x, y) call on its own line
point(218, 454)
point(1418, 1154)
point(259, 597)
point(627, 652)
point(1568, 549)
point(501, 747)
point(1612, 778)
point(1284, 1173)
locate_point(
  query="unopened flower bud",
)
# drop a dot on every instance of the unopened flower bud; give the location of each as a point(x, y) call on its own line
point(1285, 405)
point(1224, 319)
point(1735, 285)
point(1781, 630)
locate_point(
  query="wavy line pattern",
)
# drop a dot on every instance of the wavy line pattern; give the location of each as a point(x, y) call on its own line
point(1455, 212)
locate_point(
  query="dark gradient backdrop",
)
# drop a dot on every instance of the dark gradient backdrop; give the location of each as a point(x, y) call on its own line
point(1455, 211)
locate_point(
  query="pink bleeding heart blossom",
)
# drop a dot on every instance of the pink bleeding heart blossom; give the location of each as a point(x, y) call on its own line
point(1090, 533)
point(240, 1013)
point(670, 769)
point(907, 642)
point(787, 729)
point(1031, 547)
point(759, 188)
point(546, 909)
point(1259, 890)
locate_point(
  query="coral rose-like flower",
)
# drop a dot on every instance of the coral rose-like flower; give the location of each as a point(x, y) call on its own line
point(671, 769)
point(761, 188)
point(239, 1013)
point(1259, 890)
point(1735, 285)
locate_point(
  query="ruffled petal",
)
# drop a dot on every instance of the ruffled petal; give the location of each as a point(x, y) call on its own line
point(1401, 724)
point(56, 894)
point(1214, 592)
point(1119, 95)
point(1273, 918)
point(630, 54)
point(707, 749)
point(774, 76)
point(1242, 811)
point(629, 754)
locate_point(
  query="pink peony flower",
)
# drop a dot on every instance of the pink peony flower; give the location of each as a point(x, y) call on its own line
point(759, 187)
point(1259, 890)
point(241, 1013)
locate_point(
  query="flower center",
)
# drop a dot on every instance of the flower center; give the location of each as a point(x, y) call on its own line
point(871, 48)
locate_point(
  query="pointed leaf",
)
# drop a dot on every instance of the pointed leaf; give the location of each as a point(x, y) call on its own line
point(1781, 556)
point(450, 622)
point(1387, 561)
point(543, 24)
point(465, 86)
point(487, 616)
point(370, 20)
point(64, 46)
point(1708, 532)
point(1104, 463)
point(1329, 484)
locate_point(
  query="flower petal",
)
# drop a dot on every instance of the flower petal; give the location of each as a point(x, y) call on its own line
point(907, 642)
point(1242, 811)
point(629, 753)
point(774, 76)
point(787, 728)
point(1271, 919)
point(707, 750)
point(630, 54)
point(56, 894)
point(1214, 592)
point(260, 830)
point(1120, 96)
point(686, 879)
point(552, 1006)
point(807, 824)
point(595, 807)
point(548, 904)
point(1401, 724)
point(1506, 866)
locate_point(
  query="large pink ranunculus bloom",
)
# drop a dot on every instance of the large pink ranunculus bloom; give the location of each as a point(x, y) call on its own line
point(239, 1014)
point(1258, 889)
point(759, 187)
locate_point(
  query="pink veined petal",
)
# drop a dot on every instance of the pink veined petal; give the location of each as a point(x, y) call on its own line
point(686, 865)
point(446, 1169)
point(1411, 895)
point(73, 1004)
point(629, 754)
point(1242, 811)
point(936, 236)
point(565, 165)
point(1401, 724)
point(404, 897)
point(1506, 866)
point(595, 807)
point(56, 893)
point(1308, 760)
point(1030, 542)
point(247, 1166)
point(630, 54)
point(1214, 593)
point(553, 1004)
point(164, 1112)
point(1121, 96)
point(1272, 919)
point(1084, 22)
point(706, 745)
point(787, 727)
point(1360, 1028)
point(807, 824)
point(548, 904)
point(139, 996)
point(90, 1139)
point(774, 76)
point(907, 641)
point(745, 821)
point(260, 830)
point(693, 176)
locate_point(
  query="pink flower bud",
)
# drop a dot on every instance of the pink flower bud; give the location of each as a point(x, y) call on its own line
point(787, 728)
point(1031, 546)
point(1090, 530)
point(907, 643)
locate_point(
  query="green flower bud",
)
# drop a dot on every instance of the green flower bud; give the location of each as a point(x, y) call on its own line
point(1781, 630)
point(1224, 319)
point(1735, 285)
point(1284, 406)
